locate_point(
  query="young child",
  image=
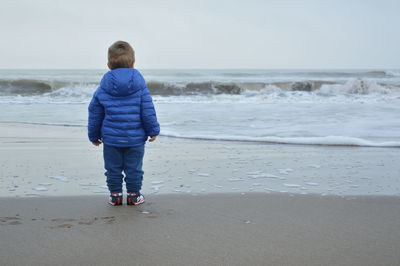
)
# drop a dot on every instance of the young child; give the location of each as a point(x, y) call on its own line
point(122, 117)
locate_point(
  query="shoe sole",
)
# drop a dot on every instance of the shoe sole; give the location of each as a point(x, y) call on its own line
point(114, 204)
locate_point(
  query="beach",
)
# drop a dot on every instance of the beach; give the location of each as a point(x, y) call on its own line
point(215, 229)
point(207, 203)
point(274, 129)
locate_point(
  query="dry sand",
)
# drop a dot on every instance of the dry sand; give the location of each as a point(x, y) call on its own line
point(215, 229)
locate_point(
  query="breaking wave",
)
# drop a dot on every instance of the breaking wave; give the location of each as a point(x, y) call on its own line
point(24, 87)
point(393, 73)
point(28, 87)
point(55, 89)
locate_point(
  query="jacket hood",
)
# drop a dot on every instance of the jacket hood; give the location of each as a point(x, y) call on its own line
point(121, 81)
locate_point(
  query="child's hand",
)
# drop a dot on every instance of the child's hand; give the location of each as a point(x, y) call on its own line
point(97, 143)
point(152, 138)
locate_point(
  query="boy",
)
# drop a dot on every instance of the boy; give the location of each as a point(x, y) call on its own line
point(122, 117)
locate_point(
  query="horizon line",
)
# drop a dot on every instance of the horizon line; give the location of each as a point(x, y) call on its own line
point(173, 68)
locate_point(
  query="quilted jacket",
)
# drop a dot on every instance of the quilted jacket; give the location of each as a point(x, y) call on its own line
point(121, 112)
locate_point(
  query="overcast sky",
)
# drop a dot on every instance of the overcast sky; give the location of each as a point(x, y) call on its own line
point(202, 34)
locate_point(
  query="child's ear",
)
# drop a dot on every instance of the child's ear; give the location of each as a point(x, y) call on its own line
point(108, 65)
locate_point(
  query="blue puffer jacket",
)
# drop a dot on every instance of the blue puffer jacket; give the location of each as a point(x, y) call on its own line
point(121, 112)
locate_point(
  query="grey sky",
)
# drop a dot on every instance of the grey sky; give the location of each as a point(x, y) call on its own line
point(202, 34)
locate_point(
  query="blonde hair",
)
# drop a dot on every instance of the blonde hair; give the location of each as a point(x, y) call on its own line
point(120, 54)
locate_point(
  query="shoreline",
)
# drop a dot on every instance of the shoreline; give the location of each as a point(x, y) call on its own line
point(60, 161)
point(326, 141)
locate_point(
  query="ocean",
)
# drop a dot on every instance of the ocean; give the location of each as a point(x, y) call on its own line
point(309, 107)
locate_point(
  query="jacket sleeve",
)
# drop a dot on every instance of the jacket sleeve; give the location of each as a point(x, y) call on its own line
point(95, 120)
point(148, 114)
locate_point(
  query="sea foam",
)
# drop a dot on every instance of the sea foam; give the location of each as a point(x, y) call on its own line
point(328, 140)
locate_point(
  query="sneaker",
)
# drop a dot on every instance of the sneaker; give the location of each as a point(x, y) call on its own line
point(115, 199)
point(134, 199)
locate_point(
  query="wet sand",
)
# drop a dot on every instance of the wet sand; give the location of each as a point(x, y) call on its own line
point(214, 229)
point(37, 160)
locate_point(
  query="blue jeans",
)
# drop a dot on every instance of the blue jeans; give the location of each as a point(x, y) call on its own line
point(123, 159)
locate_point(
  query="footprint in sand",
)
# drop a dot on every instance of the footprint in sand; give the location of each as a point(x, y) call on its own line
point(108, 219)
point(87, 221)
point(60, 226)
point(82, 221)
point(12, 220)
point(15, 222)
point(63, 220)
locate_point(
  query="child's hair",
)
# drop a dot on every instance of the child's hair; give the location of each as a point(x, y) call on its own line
point(120, 54)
